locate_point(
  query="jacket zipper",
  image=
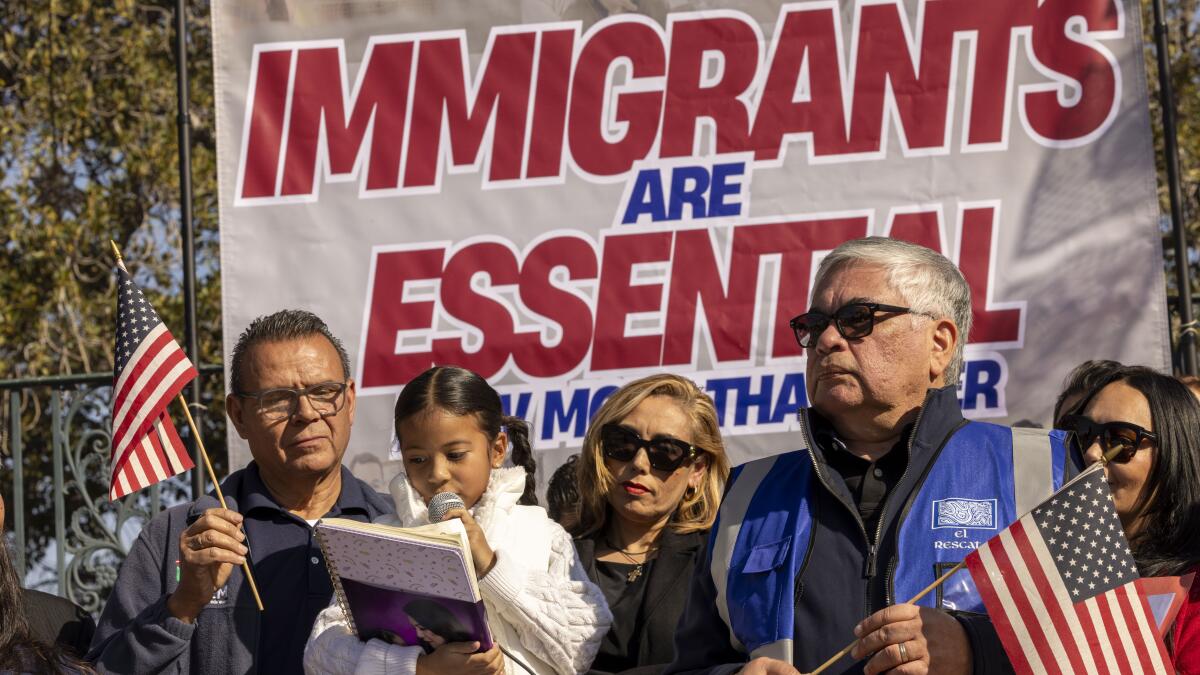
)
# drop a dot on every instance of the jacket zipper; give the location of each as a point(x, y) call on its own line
point(912, 436)
point(869, 567)
point(797, 582)
point(821, 476)
point(891, 569)
point(869, 564)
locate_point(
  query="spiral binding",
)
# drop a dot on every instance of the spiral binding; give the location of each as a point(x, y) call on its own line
point(336, 578)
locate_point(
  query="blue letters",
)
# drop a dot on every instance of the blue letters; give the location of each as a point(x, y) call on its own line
point(556, 416)
point(981, 379)
point(523, 399)
point(709, 192)
point(646, 197)
point(722, 189)
point(688, 185)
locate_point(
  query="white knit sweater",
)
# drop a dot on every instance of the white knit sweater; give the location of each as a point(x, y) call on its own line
point(547, 613)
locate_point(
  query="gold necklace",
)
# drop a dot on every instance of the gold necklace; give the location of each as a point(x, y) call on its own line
point(636, 572)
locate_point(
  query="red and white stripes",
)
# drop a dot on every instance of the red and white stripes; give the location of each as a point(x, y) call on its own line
point(1044, 630)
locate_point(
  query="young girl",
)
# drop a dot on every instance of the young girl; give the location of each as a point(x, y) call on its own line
point(541, 607)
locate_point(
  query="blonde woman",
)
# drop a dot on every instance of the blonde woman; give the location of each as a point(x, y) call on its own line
point(650, 478)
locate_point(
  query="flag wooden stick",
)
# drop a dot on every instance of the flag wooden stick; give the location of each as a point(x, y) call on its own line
point(940, 580)
point(1104, 460)
point(220, 497)
point(204, 454)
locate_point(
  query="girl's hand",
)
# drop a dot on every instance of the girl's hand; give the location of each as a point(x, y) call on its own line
point(482, 554)
point(459, 658)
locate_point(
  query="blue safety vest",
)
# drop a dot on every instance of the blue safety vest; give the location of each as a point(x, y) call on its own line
point(983, 479)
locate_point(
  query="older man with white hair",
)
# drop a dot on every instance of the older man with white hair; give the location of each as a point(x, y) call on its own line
point(890, 489)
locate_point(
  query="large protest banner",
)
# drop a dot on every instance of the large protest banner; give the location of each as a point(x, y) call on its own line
point(562, 197)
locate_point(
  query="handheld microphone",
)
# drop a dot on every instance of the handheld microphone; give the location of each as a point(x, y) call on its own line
point(443, 502)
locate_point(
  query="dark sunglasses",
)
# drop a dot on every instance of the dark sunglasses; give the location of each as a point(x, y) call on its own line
point(665, 453)
point(853, 321)
point(1124, 436)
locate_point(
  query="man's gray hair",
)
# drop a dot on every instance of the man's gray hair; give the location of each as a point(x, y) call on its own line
point(929, 283)
point(284, 325)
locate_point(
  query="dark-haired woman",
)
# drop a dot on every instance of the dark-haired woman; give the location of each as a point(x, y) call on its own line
point(650, 478)
point(21, 651)
point(1153, 421)
point(541, 608)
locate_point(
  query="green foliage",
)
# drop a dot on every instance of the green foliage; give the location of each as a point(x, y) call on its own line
point(1183, 53)
point(88, 153)
point(1183, 49)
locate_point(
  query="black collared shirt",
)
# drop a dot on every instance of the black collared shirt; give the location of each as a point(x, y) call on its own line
point(868, 482)
point(289, 567)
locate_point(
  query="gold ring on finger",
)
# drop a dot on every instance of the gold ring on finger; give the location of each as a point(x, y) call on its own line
point(903, 653)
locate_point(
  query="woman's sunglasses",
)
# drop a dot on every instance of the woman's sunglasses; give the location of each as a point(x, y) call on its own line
point(1124, 436)
point(665, 453)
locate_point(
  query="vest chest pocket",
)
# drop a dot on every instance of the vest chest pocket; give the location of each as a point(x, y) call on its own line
point(756, 590)
point(958, 592)
point(766, 557)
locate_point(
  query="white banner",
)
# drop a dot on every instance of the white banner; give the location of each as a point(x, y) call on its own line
point(562, 199)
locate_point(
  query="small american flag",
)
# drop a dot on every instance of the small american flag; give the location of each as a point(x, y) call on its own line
point(151, 370)
point(1060, 587)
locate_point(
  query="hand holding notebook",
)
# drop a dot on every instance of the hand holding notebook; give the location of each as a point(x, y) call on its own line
point(417, 585)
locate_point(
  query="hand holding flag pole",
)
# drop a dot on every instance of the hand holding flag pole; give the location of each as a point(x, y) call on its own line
point(150, 369)
point(912, 601)
point(1104, 460)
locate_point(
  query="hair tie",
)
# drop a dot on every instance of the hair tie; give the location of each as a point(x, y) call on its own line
point(503, 429)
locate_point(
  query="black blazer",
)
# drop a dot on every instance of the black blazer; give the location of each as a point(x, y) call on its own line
point(56, 620)
point(664, 599)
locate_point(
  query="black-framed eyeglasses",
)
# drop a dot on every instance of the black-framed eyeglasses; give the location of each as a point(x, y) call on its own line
point(326, 398)
point(665, 453)
point(1123, 436)
point(853, 320)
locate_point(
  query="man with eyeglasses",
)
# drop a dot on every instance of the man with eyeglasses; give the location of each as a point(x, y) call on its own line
point(891, 488)
point(181, 602)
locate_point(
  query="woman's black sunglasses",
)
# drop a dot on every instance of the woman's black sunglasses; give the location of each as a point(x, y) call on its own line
point(665, 453)
point(1125, 436)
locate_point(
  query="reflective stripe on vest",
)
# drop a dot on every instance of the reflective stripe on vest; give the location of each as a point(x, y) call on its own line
point(733, 511)
point(759, 541)
point(1033, 478)
point(780, 650)
point(762, 535)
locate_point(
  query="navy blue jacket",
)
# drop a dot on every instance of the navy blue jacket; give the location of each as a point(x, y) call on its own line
point(137, 634)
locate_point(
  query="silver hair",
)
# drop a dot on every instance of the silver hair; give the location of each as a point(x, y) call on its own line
point(929, 283)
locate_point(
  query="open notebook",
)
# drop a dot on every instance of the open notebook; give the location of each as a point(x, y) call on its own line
point(413, 585)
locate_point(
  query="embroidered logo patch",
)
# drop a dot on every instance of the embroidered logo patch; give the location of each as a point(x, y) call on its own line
point(220, 597)
point(973, 513)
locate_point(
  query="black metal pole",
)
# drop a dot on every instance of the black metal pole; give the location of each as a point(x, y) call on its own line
point(183, 122)
point(1166, 102)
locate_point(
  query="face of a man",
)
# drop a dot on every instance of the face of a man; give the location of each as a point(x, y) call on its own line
point(888, 370)
point(306, 442)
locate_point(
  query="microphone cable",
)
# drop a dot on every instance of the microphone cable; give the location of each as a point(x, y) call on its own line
point(438, 506)
point(515, 660)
